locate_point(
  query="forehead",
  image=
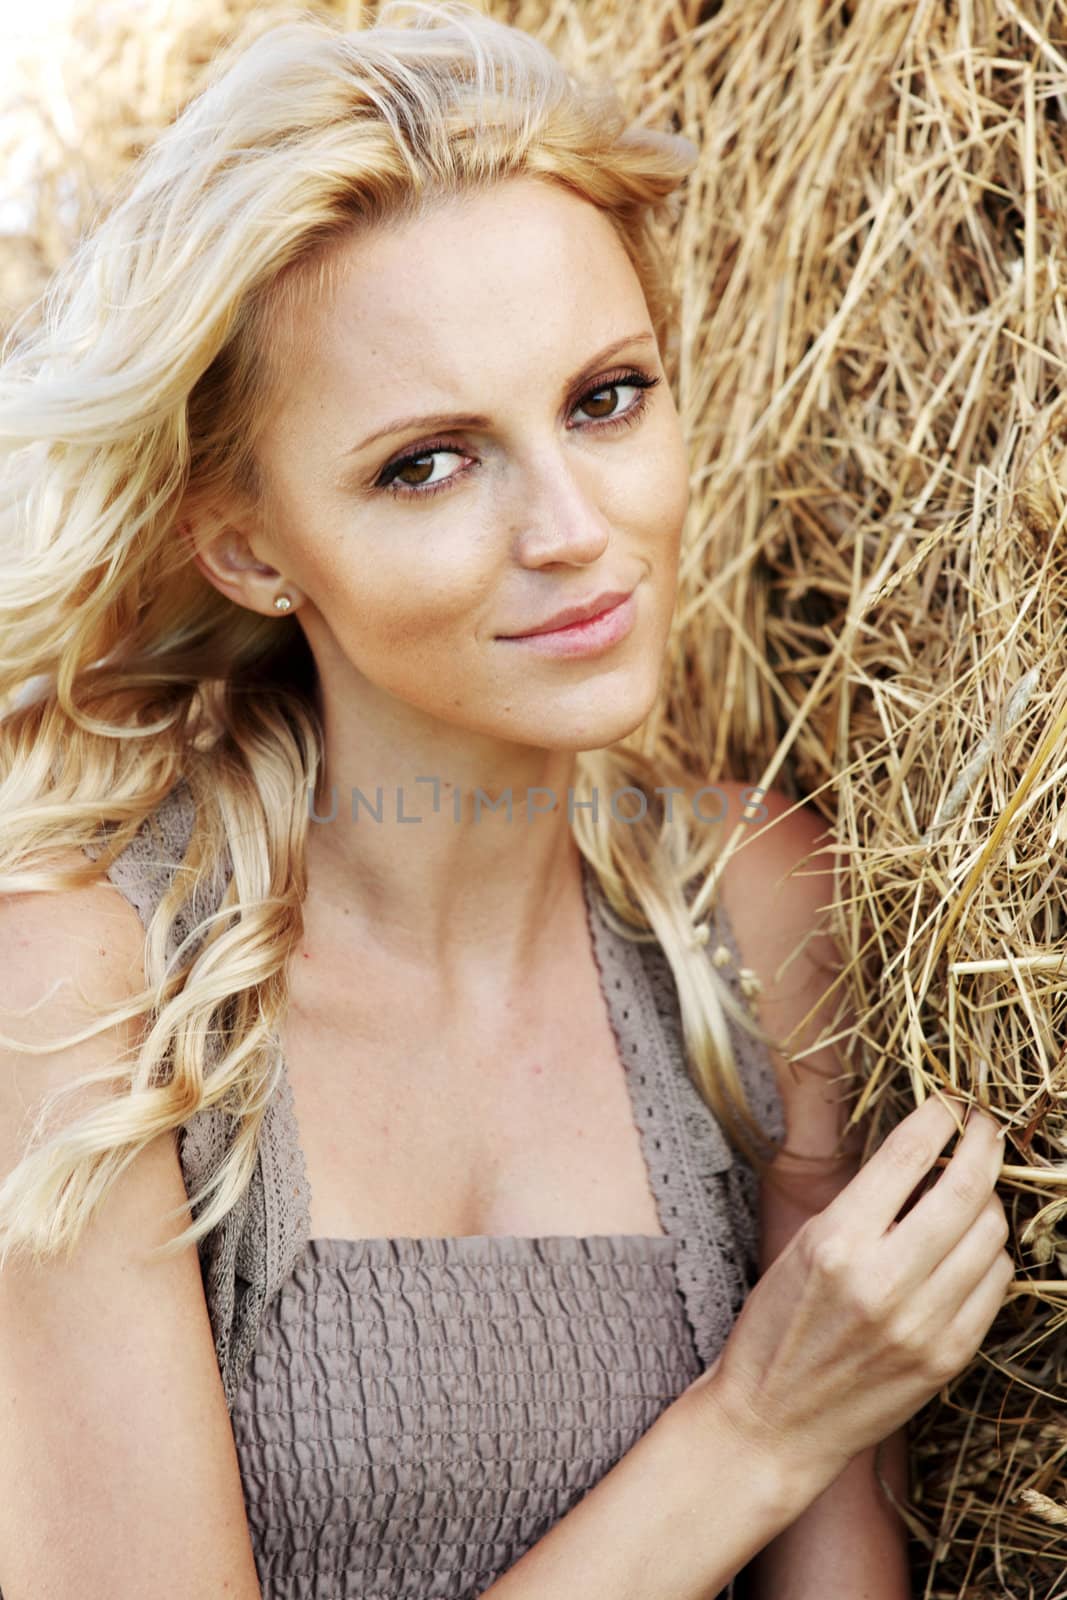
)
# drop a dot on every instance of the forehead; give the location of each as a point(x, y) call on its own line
point(478, 283)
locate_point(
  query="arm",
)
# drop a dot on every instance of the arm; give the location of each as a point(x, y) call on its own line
point(118, 1472)
point(675, 1519)
point(849, 1544)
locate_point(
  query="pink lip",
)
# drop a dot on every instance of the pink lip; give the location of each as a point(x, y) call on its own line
point(582, 638)
point(563, 619)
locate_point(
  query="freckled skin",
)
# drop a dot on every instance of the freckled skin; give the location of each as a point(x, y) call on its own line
point(401, 598)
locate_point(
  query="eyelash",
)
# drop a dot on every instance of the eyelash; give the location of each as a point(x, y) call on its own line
point(633, 377)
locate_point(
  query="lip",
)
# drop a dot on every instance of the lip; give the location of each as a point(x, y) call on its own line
point(591, 637)
point(584, 613)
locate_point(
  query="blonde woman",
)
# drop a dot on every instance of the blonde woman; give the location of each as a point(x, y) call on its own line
point(395, 1201)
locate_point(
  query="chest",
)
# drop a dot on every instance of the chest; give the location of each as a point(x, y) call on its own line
point(515, 1121)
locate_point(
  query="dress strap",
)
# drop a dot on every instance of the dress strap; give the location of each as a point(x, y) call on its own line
point(249, 1255)
point(148, 865)
point(707, 1193)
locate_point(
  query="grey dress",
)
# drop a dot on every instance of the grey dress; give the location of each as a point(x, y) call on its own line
point(411, 1415)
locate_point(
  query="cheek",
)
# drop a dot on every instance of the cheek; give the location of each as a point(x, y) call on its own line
point(663, 495)
point(410, 608)
point(676, 483)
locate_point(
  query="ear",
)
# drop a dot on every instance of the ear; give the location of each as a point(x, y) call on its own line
point(223, 553)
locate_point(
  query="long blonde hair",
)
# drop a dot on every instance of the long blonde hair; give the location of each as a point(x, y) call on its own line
point(139, 400)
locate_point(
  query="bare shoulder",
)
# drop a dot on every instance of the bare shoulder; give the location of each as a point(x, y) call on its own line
point(777, 889)
point(65, 918)
point(117, 1440)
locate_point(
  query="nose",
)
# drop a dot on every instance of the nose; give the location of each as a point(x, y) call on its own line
point(558, 514)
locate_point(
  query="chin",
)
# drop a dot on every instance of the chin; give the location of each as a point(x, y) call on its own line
point(593, 729)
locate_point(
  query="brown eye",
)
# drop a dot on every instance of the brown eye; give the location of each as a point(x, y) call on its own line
point(612, 391)
point(418, 468)
point(422, 474)
point(602, 403)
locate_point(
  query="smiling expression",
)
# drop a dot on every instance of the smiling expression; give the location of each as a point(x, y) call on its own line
point(473, 432)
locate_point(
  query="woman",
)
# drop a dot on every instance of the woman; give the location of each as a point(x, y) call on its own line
point(355, 391)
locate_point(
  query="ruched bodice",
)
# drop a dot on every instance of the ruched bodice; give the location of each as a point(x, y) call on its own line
point(418, 1412)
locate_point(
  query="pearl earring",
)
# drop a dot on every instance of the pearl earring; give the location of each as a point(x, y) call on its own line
point(282, 603)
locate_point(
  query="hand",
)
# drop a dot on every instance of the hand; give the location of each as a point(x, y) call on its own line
point(861, 1318)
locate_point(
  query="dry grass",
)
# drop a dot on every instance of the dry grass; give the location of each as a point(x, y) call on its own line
point(872, 267)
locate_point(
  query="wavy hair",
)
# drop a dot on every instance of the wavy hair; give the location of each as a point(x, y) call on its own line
point(136, 405)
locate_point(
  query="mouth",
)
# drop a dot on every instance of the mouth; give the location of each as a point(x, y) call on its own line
point(591, 636)
point(574, 616)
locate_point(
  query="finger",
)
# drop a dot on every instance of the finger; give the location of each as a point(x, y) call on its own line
point(979, 1311)
point(876, 1194)
point(946, 1285)
point(936, 1224)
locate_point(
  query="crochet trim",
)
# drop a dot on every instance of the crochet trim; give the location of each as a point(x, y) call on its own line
point(697, 1179)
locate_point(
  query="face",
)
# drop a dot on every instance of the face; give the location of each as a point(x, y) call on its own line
point(556, 471)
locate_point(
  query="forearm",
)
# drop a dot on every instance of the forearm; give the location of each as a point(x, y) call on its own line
point(675, 1519)
point(849, 1544)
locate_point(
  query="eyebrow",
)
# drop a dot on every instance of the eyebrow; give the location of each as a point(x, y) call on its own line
point(456, 419)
